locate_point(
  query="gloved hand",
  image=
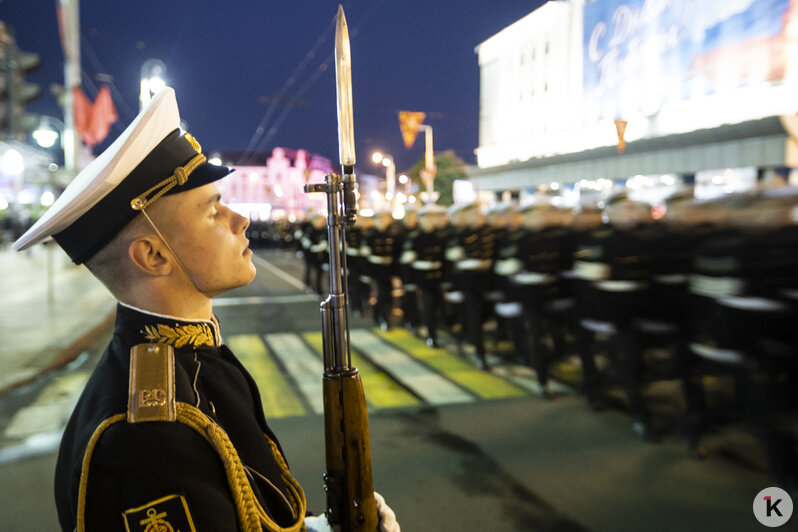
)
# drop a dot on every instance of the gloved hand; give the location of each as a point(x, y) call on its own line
point(388, 522)
point(317, 523)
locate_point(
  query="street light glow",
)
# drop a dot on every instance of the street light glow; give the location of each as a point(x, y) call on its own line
point(156, 84)
point(403, 179)
point(376, 157)
point(152, 72)
point(47, 199)
point(44, 135)
point(13, 162)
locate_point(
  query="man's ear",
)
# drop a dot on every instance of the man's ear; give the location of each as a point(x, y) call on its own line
point(148, 254)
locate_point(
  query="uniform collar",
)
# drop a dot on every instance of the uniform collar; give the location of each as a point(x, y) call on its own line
point(136, 326)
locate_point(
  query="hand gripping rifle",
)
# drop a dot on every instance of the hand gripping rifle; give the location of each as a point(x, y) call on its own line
point(348, 483)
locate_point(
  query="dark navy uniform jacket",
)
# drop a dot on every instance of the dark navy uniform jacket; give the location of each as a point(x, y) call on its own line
point(140, 472)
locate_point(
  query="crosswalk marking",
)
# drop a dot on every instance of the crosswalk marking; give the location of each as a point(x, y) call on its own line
point(484, 384)
point(381, 390)
point(304, 367)
point(277, 393)
point(397, 369)
point(424, 382)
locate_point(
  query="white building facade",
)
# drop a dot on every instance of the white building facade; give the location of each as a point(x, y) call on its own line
point(703, 87)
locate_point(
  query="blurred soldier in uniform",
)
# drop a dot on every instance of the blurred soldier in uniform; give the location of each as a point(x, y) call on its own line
point(496, 220)
point(302, 243)
point(745, 280)
point(577, 225)
point(406, 231)
point(425, 254)
point(614, 260)
point(510, 309)
point(354, 263)
point(537, 282)
point(452, 285)
point(476, 248)
point(665, 320)
point(169, 432)
point(381, 249)
point(314, 243)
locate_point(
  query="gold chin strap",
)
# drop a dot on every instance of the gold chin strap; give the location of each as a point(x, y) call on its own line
point(172, 251)
point(178, 178)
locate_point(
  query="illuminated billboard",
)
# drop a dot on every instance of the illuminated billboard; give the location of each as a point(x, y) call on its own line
point(642, 56)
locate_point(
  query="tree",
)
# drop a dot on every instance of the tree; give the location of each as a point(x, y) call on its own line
point(15, 92)
point(450, 168)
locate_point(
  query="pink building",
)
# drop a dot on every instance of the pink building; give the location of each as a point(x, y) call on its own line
point(275, 191)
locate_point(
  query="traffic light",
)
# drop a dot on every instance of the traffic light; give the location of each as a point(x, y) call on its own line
point(15, 92)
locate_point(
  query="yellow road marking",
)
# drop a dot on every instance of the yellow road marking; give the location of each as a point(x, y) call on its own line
point(381, 390)
point(278, 396)
point(484, 384)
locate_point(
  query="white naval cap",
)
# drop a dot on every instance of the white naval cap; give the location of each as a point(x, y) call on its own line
point(152, 157)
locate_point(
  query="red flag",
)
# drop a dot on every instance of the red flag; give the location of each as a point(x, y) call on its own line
point(81, 109)
point(93, 120)
point(103, 114)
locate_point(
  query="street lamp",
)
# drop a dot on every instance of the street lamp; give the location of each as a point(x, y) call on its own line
point(390, 174)
point(45, 134)
point(152, 73)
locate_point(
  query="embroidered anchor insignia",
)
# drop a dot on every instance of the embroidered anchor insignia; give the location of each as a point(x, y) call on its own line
point(155, 522)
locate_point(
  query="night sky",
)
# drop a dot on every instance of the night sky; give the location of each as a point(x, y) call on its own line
point(231, 61)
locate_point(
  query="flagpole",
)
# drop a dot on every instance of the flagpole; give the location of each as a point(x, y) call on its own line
point(70, 12)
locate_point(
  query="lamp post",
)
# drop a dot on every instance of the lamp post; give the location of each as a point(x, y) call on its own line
point(429, 170)
point(152, 74)
point(390, 174)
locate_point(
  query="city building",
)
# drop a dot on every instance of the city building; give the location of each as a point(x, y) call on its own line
point(649, 94)
point(275, 189)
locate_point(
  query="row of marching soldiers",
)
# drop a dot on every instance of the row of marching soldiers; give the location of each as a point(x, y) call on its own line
point(707, 296)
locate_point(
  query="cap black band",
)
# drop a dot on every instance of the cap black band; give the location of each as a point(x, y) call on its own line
point(100, 224)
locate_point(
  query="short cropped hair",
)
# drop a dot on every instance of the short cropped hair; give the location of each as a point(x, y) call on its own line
point(111, 264)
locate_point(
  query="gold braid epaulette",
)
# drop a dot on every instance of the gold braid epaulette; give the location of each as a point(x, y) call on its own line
point(252, 516)
point(178, 178)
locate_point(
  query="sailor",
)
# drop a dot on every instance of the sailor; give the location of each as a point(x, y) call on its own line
point(425, 253)
point(381, 249)
point(537, 282)
point(315, 240)
point(614, 265)
point(169, 432)
point(452, 285)
point(744, 281)
point(510, 309)
point(358, 295)
point(407, 230)
point(477, 248)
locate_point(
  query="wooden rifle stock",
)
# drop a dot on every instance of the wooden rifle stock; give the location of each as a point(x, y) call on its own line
point(349, 485)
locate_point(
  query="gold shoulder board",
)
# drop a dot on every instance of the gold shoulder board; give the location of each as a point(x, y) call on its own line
point(151, 392)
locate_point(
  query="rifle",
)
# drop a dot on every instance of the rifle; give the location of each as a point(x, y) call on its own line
point(348, 482)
